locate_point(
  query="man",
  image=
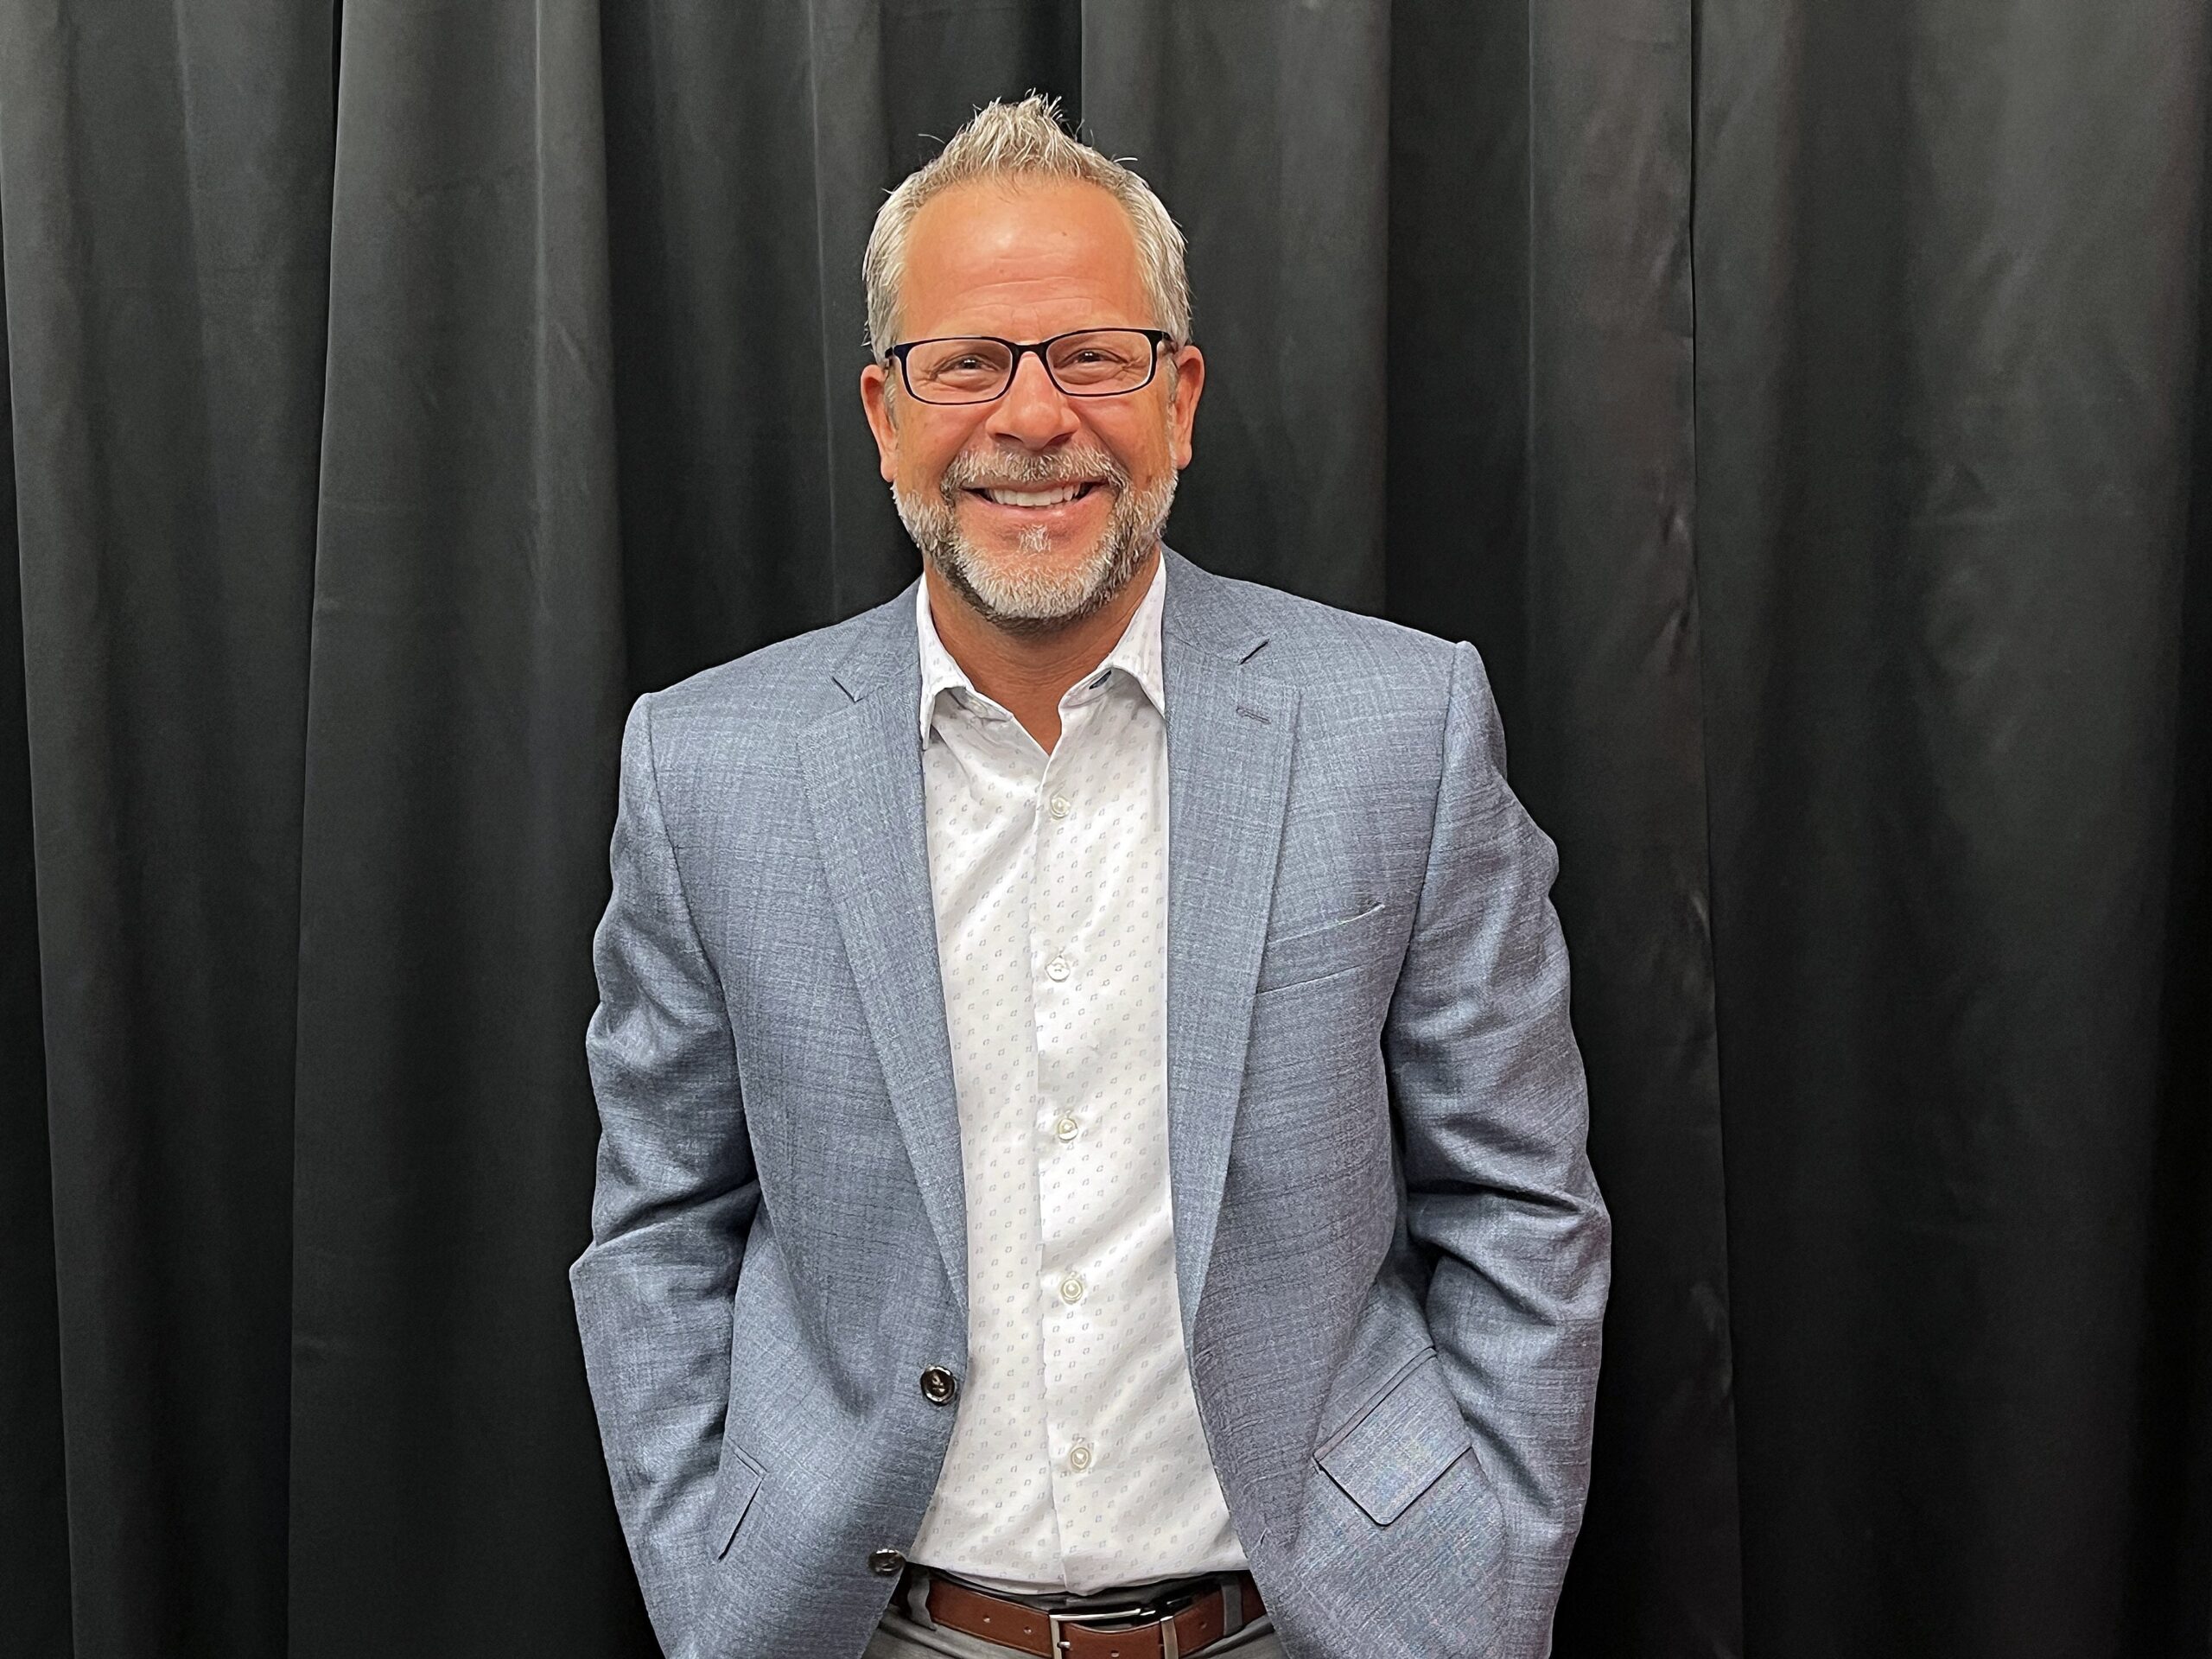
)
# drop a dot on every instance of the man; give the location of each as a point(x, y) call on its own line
point(1093, 1158)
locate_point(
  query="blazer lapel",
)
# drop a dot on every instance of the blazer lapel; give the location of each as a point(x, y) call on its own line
point(863, 770)
point(1230, 734)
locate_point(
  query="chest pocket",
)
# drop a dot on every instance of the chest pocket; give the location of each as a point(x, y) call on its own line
point(1311, 953)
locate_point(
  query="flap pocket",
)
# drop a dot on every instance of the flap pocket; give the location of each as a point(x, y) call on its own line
point(733, 1489)
point(1401, 1446)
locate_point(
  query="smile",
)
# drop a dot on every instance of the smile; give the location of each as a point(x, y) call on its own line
point(1056, 495)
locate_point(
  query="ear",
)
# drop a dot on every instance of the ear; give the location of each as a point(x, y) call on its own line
point(875, 398)
point(1183, 401)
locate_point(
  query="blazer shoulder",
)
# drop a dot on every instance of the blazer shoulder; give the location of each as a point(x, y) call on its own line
point(1330, 649)
point(779, 687)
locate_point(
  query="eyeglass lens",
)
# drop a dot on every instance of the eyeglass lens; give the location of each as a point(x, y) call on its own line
point(1096, 364)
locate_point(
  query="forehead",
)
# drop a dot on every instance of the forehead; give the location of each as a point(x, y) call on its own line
point(1024, 260)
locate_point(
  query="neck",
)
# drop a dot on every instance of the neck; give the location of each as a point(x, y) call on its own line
point(1027, 674)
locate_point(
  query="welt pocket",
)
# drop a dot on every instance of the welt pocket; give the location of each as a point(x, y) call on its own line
point(736, 1486)
point(1311, 953)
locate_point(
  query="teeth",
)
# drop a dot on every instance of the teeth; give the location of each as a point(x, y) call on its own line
point(1050, 497)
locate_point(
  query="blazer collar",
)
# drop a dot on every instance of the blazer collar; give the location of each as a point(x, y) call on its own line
point(1200, 609)
point(1207, 610)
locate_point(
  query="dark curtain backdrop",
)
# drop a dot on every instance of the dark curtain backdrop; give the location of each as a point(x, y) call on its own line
point(1801, 405)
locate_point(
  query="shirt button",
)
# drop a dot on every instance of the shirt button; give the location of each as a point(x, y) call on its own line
point(1079, 1456)
point(1057, 806)
point(1056, 969)
point(1066, 1128)
point(939, 1386)
point(887, 1563)
point(1071, 1288)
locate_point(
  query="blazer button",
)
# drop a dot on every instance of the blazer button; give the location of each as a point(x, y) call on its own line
point(887, 1563)
point(939, 1386)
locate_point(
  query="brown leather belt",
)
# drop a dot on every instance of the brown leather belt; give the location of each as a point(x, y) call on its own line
point(1172, 1629)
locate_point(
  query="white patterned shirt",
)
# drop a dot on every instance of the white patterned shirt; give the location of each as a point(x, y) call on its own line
point(1077, 1461)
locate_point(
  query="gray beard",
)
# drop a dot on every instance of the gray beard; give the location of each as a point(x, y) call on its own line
point(1018, 596)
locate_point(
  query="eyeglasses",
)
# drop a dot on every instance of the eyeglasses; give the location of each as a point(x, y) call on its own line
point(978, 368)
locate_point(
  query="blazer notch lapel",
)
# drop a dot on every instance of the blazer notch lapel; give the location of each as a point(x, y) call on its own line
point(862, 767)
point(1230, 737)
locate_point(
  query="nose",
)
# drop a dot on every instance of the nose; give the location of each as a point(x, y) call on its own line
point(1032, 411)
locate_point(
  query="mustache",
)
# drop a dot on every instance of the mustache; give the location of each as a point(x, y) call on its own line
point(1025, 469)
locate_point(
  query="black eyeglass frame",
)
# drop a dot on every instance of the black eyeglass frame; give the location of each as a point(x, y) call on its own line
point(1159, 337)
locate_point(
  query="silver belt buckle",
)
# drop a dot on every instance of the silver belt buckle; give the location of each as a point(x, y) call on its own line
point(1134, 1617)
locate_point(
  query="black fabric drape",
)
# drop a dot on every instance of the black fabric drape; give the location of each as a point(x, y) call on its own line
point(1802, 408)
point(1947, 354)
point(34, 1512)
point(165, 203)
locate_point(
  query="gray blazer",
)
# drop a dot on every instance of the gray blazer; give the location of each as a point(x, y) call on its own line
point(1391, 1254)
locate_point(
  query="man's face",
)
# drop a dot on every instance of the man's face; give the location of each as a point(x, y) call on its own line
point(1026, 262)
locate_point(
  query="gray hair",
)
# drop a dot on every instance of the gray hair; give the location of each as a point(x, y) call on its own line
point(1024, 141)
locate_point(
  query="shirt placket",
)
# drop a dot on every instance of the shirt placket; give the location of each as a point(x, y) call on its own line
point(1064, 895)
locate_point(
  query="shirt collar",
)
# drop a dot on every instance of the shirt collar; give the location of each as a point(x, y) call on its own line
point(1137, 654)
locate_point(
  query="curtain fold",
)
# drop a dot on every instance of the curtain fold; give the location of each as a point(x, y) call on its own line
point(1948, 265)
point(164, 195)
point(1606, 609)
point(33, 1502)
point(1803, 409)
point(466, 679)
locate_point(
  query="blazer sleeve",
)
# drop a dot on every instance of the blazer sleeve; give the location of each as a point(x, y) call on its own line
point(1488, 1087)
point(676, 1192)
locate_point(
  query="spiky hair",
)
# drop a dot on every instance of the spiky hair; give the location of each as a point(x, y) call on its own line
point(1023, 140)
